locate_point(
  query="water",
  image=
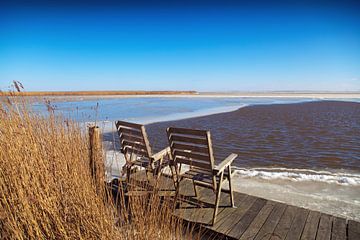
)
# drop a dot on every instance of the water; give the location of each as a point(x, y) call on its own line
point(305, 155)
point(153, 109)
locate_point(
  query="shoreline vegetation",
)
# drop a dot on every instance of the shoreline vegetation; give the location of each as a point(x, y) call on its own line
point(65, 96)
point(48, 189)
point(95, 93)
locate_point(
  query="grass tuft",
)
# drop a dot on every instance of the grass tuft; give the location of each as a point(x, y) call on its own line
point(47, 191)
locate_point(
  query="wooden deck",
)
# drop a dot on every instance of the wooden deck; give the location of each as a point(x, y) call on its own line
point(258, 218)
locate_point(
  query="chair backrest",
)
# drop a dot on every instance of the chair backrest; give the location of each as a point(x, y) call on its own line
point(133, 140)
point(191, 147)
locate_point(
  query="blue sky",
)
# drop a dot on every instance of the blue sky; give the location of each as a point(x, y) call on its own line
point(206, 48)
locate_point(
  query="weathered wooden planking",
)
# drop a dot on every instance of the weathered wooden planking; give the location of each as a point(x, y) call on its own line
point(202, 210)
point(257, 218)
point(267, 229)
point(258, 221)
point(233, 215)
point(298, 224)
point(240, 227)
point(324, 229)
point(202, 213)
point(353, 230)
point(311, 226)
point(338, 229)
point(284, 224)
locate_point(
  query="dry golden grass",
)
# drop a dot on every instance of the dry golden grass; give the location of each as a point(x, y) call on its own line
point(47, 192)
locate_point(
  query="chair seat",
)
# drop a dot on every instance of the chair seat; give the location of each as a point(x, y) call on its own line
point(141, 162)
point(145, 162)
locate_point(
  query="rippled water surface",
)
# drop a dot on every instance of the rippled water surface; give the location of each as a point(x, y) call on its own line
point(314, 135)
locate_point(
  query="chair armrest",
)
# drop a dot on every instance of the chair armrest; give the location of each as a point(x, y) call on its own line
point(225, 163)
point(161, 154)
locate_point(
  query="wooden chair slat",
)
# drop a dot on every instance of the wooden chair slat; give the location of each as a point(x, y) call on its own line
point(191, 155)
point(131, 138)
point(130, 131)
point(188, 139)
point(133, 145)
point(128, 124)
point(137, 152)
point(180, 146)
point(191, 162)
point(185, 131)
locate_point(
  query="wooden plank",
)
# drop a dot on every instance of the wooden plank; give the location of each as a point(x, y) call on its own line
point(284, 224)
point(267, 229)
point(202, 210)
point(133, 145)
point(258, 222)
point(210, 148)
point(353, 230)
point(146, 141)
point(131, 138)
point(338, 229)
point(232, 215)
point(240, 227)
point(222, 217)
point(298, 224)
point(205, 214)
point(190, 155)
point(311, 226)
point(127, 124)
point(324, 229)
point(201, 133)
point(180, 146)
point(175, 138)
point(136, 152)
point(130, 131)
point(224, 206)
point(196, 163)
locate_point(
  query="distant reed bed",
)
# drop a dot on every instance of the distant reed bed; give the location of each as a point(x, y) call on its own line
point(95, 93)
point(47, 190)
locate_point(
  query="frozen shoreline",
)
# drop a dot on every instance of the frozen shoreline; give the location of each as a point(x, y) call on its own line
point(333, 197)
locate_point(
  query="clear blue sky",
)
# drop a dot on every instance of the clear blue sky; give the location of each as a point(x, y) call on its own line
point(204, 48)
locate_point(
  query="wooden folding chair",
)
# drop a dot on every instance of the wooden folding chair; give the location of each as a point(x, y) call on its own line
point(193, 148)
point(135, 146)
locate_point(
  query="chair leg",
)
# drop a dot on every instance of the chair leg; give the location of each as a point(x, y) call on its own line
point(230, 188)
point(177, 189)
point(173, 175)
point(158, 169)
point(217, 200)
point(128, 172)
point(195, 191)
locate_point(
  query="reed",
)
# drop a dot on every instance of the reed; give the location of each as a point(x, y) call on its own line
point(47, 192)
point(96, 93)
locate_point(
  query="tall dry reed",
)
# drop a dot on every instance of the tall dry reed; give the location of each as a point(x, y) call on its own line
point(46, 189)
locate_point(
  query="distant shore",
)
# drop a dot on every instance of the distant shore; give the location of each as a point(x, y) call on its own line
point(96, 93)
point(91, 95)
